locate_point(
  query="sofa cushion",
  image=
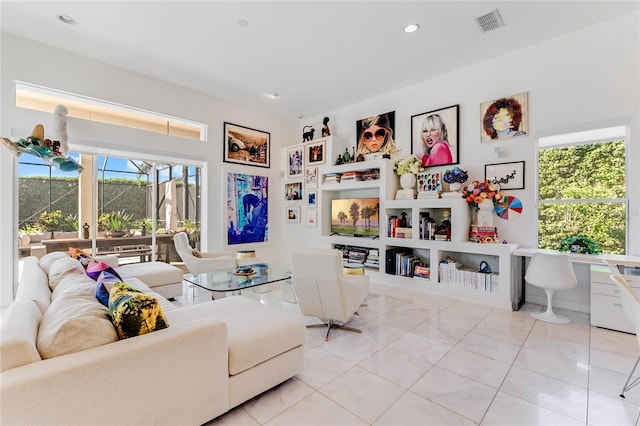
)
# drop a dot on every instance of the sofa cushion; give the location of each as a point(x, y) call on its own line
point(134, 313)
point(256, 332)
point(18, 336)
point(105, 281)
point(74, 284)
point(61, 268)
point(152, 273)
point(74, 323)
point(34, 284)
point(48, 259)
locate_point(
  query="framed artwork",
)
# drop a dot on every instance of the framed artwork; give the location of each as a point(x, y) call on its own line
point(243, 145)
point(316, 152)
point(504, 118)
point(429, 183)
point(311, 177)
point(293, 191)
point(312, 199)
point(312, 218)
point(508, 175)
point(247, 208)
point(375, 136)
point(293, 214)
point(435, 136)
point(295, 156)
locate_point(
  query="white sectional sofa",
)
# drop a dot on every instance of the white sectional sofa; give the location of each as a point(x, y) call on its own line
point(211, 358)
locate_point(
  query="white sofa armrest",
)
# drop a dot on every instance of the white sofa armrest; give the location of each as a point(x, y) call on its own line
point(130, 382)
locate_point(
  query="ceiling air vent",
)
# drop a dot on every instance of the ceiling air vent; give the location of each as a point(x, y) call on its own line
point(490, 21)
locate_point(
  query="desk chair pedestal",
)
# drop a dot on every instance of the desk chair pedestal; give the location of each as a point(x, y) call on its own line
point(549, 315)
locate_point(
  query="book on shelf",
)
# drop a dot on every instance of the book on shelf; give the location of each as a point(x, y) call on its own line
point(403, 232)
point(469, 278)
point(371, 174)
point(422, 272)
point(450, 265)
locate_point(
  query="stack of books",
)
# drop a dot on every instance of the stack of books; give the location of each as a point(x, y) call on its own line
point(332, 177)
point(403, 232)
point(357, 255)
point(352, 176)
point(373, 259)
point(371, 174)
point(406, 264)
point(483, 234)
point(422, 272)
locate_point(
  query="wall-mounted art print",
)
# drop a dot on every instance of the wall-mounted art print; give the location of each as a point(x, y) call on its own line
point(429, 184)
point(311, 177)
point(247, 208)
point(292, 214)
point(295, 157)
point(504, 118)
point(375, 136)
point(312, 199)
point(508, 175)
point(312, 218)
point(243, 145)
point(316, 152)
point(293, 191)
point(434, 136)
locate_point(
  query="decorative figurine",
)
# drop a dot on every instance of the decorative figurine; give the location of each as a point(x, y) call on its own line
point(307, 135)
point(325, 127)
point(346, 158)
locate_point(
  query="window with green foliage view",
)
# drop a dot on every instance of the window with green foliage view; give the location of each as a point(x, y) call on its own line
point(582, 192)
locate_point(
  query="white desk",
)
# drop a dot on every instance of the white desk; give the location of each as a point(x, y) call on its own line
point(594, 259)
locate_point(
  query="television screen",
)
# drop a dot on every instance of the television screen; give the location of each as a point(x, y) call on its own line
point(355, 216)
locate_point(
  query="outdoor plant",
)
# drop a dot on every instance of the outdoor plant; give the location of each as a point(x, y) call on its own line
point(115, 221)
point(193, 231)
point(580, 244)
point(57, 221)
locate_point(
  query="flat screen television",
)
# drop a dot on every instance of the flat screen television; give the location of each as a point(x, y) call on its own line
point(355, 216)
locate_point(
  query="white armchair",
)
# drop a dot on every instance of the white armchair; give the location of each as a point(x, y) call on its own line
point(207, 263)
point(322, 289)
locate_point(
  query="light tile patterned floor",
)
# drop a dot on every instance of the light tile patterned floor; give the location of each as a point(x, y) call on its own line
point(429, 360)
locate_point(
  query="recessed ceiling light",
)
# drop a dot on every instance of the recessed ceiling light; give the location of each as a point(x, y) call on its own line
point(273, 95)
point(67, 19)
point(243, 23)
point(411, 28)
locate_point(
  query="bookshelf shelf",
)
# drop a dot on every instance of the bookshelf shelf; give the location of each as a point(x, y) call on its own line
point(501, 290)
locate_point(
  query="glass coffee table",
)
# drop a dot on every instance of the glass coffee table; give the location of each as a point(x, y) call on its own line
point(224, 283)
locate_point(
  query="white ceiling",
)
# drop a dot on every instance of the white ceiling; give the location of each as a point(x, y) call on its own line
point(317, 55)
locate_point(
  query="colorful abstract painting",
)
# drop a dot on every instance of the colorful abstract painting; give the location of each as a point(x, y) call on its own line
point(247, 208)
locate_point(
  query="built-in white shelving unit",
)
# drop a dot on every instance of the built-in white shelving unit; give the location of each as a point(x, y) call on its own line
point(496, 291)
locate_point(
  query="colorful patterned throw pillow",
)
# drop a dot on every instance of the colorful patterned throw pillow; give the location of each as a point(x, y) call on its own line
point(105, 282)
point(134, 313)
point(94, 269)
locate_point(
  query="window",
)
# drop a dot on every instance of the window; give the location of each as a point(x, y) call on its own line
point(582, 188)
point(44, 99)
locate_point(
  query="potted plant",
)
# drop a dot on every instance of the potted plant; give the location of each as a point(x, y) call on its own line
point(56, 221)
point(115, 223)
point(580, 244)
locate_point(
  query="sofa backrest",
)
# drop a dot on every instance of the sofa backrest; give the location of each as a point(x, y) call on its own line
point(34, 284)
point(19, 334)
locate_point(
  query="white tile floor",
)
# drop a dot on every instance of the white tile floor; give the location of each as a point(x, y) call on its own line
point(428, 360)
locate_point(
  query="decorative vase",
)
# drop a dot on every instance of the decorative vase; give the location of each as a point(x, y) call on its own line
point(455, 186)
point(408, 181)
point(485, 213)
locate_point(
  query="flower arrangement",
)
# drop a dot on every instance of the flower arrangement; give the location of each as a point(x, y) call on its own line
point(476, 192)
point(455, 175)
point(411, 164)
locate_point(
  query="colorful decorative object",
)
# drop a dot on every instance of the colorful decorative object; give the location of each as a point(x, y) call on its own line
point(429, 185)
point(508, 207)
point(455, 178)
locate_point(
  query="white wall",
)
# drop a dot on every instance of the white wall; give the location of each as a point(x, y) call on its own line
point(588, 76)
point(35, 63)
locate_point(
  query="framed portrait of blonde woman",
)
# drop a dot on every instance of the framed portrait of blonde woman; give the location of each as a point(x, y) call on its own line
point(434, 137)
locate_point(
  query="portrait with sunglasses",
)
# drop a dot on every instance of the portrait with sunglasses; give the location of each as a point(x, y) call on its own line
point(375, 135)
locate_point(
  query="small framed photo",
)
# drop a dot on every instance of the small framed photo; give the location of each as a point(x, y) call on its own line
point(295, 157)
point(293, 191)
point(312, 218)
point(311, 177)
point(293, 214)
point(312, 199)
point(429, 183)
point(243, 145)
point(316, 152)
point(504, 118)
point(508, 175)
point(434, 137)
